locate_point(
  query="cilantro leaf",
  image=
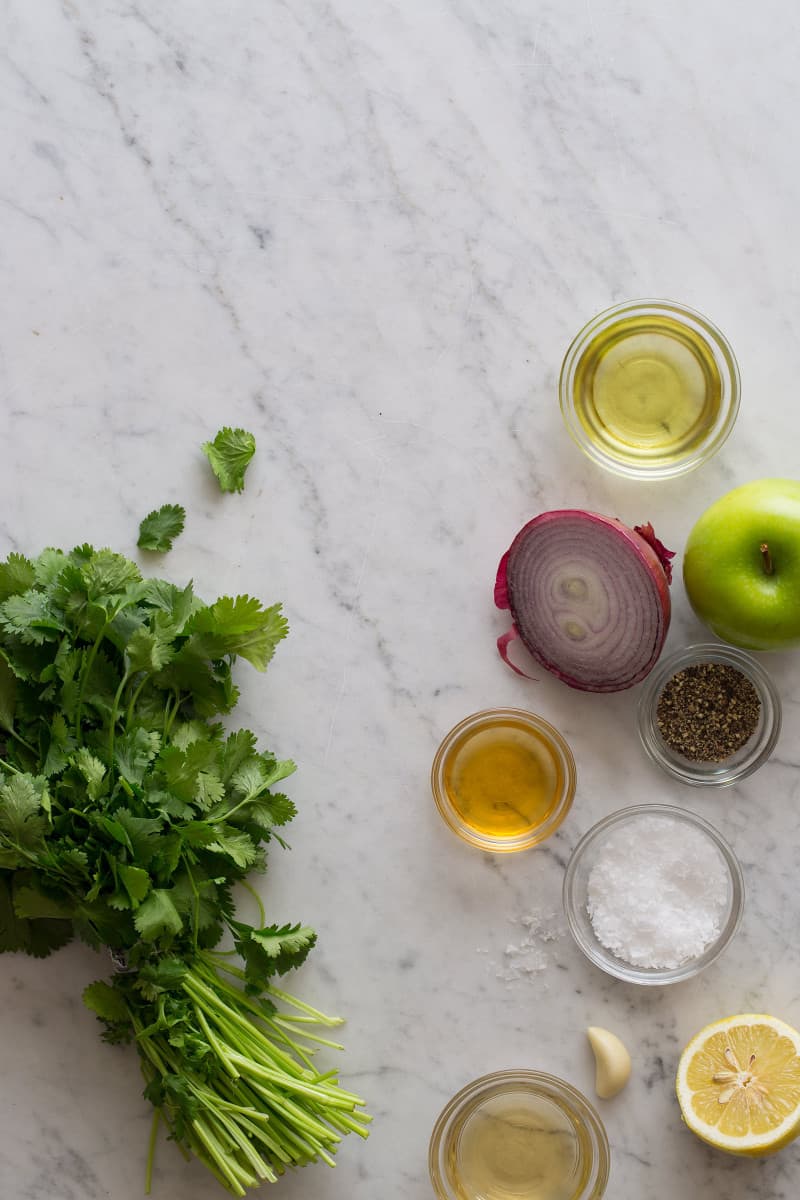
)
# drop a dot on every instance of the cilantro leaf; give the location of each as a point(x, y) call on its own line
point(238, 747)
point(182, 768)
point(8, 695)
point(258, 774)
point(158, 917)
point(229, 454)
point(104, 1000)
point(60, 745)
point(134, 751)
point(13, 929)
point(235, 845)
point(48, 566)
point(210, 685)
point(39, 937)
point(160, 527)
point(275, 949)
point(148, 651)
point(240, 626)
point(196, 900)
point(166, 975)
point(267, 811)
point(136, 882)
point(32, 903)
point(142, 834)
point(30, 616)
point(107, 574)
point(288, 944)
point(21, 819)
point(16, 576)
point(92, 770)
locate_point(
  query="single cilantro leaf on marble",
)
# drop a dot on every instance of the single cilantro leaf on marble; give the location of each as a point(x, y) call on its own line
point(159, 528)
point(229, 454)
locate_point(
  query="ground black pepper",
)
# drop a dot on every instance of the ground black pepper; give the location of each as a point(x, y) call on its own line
point(708, 711)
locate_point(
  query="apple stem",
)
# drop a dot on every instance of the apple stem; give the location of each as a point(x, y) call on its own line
point(766, 560)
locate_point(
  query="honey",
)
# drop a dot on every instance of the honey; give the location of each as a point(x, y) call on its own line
point(504, 779)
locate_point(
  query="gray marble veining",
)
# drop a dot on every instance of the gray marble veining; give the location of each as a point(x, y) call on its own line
point(368, 233)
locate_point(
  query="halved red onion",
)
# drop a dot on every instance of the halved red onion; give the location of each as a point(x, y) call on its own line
point(589, 598)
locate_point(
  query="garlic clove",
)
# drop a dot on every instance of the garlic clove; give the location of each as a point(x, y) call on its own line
point(612, 1062)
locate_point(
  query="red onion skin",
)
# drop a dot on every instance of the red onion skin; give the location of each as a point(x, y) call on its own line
point(656, 560)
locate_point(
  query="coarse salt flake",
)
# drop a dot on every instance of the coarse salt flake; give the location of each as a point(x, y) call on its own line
point(658, 892)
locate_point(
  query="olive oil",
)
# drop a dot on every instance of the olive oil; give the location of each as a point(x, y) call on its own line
point(517, 1145)
point(647, 388)
point(503, 779)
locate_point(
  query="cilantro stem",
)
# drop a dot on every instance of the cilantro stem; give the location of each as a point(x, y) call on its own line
point(87, 666)
point(221, 1158)
point(151, 1152)
point(134, 698)
point(22, 741)
point(254, 894)
point(112, 721)
point(9, 767)
point(214, 1044)
point(196, 909)
point(169, 717)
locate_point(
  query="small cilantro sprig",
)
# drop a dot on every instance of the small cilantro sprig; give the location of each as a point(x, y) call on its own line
point(127, 815)
point(229, 455)
point(159, 528)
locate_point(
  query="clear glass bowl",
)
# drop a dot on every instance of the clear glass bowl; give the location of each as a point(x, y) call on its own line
point(745, 760)
point(521, 723)
point(540, 1102)
point(575, 893)
point(674, 354)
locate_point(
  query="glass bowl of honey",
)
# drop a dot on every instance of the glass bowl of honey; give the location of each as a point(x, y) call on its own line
point(649, 389)
point(519, 1133)
point(503, 779)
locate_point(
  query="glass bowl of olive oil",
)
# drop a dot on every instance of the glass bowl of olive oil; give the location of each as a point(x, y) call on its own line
point(503, 779)
point(649, 389)
point(519, 1135)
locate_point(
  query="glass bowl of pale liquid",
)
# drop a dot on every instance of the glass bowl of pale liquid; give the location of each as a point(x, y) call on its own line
point(649, 389)
point(519, 1135)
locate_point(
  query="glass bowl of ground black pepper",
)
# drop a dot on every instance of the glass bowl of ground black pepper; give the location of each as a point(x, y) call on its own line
point(709, 715)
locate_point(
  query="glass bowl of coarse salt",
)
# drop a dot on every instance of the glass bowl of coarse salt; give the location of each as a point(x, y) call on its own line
point(653, 894)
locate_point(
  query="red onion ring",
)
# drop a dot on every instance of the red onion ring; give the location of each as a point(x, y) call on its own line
point(589, 598)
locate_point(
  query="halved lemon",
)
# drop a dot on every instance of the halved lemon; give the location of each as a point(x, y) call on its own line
point(738, 1084)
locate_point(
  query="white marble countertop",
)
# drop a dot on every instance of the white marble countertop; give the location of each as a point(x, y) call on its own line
point(368, 232)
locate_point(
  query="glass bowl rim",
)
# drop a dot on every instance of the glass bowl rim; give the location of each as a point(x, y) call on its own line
point(554, 1088)
point(673, 763)
point(559, 747)
point(723, 356)
point(604, 958)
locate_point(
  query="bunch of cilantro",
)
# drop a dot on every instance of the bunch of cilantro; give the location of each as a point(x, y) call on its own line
point(127, 815)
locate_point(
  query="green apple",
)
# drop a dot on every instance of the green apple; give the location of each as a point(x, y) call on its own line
point(742, 565)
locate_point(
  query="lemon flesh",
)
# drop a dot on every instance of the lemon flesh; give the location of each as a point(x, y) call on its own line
point(738, 1084)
